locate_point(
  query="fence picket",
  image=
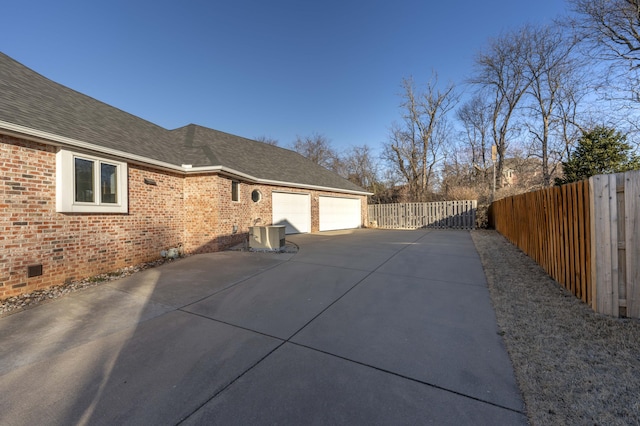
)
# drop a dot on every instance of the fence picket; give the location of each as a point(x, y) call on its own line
point(441, 214)
point(613, 235)
point(581, 242)
point(632, 242)
point(603, 237)
point(586, 235)
point(546, 226)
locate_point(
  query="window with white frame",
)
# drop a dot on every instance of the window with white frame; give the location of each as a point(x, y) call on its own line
point(90, 184)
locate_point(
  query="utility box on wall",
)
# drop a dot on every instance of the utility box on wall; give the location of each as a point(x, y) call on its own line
point(267, 237)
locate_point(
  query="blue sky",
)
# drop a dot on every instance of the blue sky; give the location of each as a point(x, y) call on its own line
point(260, 68)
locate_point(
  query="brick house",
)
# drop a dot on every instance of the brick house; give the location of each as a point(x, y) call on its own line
point(86, 188)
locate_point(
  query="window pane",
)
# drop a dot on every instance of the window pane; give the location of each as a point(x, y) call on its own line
point(84, 180)
point(108, 183)
point(235, 192)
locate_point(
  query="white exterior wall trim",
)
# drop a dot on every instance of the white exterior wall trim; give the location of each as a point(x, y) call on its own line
point(56, 140)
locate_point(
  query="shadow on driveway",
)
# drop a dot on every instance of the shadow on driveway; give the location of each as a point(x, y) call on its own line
point(358, 327)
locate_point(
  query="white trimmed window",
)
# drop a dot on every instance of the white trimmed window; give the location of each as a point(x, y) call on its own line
point(89, 184)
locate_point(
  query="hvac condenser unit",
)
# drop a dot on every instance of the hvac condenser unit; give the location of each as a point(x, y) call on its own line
point(266, 237)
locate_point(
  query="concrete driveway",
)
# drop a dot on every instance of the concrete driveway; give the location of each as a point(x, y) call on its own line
point(359, 327)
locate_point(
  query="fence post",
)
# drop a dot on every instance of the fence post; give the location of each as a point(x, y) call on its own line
point(632, 241)
point(605, 241)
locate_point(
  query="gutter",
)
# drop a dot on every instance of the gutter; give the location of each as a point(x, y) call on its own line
point(186, 169)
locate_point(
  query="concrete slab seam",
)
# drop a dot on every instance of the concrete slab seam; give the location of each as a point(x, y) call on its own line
point(231, 286)
point(288, 340)
point(402, 376)
point(331, 266)
point(233, 325)
point(225, 387)
point(352, 287)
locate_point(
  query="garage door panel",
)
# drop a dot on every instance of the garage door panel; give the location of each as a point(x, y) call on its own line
point(292, 210)
point(339, 213)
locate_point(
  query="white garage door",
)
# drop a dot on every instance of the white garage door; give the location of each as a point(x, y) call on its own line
point(339, 213)
point(292, 210)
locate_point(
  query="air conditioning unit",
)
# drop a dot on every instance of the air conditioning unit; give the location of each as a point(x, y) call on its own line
point(267, 237)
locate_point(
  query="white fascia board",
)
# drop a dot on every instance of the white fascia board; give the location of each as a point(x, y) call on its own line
point(232, 172)
point(314, 187)
point(48, 138)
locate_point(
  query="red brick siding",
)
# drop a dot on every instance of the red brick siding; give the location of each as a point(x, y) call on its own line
point(202, 215)
point(72, 246)
point(215, 230)
point(195, 211)
point(247, 213)
point(218, 222)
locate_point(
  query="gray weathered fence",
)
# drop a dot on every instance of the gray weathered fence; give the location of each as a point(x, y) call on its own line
point(441, 214)
point(615, 238)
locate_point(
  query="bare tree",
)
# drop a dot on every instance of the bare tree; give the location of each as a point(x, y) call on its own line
point(412, 148)
point(554, 91)
point(317, 148)
point(568, 115)
point(268, 140)
point(612, 27)
point(360, 166)
point(502, 77)
point(476, 123)
point(402, 154)
point(459, 171)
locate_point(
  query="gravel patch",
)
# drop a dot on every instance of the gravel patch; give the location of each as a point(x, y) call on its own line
point(573, 366)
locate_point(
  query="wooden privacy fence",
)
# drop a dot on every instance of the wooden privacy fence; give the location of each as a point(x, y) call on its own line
point(441, 214)
point(551, 226)
point(616, 240)
point(586, 235)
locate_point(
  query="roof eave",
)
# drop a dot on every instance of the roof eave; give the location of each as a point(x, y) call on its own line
point(253, 179)
point(63, 141)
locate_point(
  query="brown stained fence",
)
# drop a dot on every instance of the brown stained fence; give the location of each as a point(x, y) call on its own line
point(441, 214)
point(586, 235)
point(552, 226)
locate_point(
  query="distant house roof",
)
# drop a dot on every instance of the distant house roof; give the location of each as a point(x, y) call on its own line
point(35, 106)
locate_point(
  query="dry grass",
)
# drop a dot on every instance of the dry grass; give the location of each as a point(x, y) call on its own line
point(573, 366)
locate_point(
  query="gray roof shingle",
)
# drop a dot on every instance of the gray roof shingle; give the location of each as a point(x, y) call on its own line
point(28, 99)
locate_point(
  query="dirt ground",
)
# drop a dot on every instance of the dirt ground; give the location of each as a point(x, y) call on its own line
point(573, 366)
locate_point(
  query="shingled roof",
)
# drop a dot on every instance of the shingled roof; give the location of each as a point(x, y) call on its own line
point(33, 103)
